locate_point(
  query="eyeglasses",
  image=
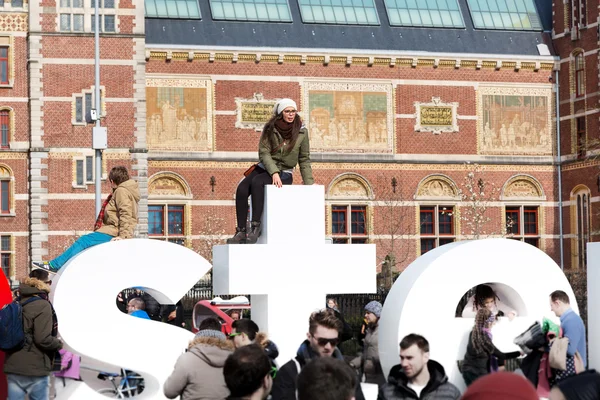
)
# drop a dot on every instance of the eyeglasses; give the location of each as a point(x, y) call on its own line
point(232, 335)
point(290, 111)
point(323, 341)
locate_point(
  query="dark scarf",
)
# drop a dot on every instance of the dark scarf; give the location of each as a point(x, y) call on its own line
point(285, 129)
point(100, 218)
point(305, 353)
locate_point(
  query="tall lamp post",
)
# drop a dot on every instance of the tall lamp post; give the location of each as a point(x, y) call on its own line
point(99, 134)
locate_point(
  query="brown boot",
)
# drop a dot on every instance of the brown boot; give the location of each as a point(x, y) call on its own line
point(239, 237)
point(254, 233)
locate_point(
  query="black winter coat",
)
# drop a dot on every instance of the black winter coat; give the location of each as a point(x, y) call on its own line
point(584, 386)
point(478, 362)
point(438, 387)
point(284, 385)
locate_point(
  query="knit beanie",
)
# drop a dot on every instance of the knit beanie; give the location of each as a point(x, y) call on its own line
point(283, 104)
point(211, 333)
point(374, 307)
point(501, 386)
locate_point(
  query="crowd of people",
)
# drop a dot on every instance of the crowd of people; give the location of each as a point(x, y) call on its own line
point(241, 363)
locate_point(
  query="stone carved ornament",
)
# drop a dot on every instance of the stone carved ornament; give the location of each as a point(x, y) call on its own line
point(263, 110)
point(450, 123)
point(522, 188)
point(436, 188)
point(166, 186)
point(349, 188)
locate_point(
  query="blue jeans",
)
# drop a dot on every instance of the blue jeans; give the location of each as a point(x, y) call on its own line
point(37, 387)
point(85, 241)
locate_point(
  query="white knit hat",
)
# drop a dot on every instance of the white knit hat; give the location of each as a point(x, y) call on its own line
point(283, 104)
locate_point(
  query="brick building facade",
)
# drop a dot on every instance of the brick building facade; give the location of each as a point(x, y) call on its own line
point(575, 37)
point(406, 123)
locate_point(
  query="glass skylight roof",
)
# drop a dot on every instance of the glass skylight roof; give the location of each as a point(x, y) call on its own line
point(505, 14)
point(251, 10)
point(348, 12)
point(429, 13)
point(182, 9)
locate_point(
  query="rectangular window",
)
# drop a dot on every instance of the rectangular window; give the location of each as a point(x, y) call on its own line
point(354, 12)
point(522, 223)
point(17, 3)
point(580, 75)
point(251, 10)
point(167, 222)
point(79, 109)
point(182, 9)
point(88, 105)
point(519, 15)
point(109, 23)
point(77, 22)
point(436, 226)
point(427, 13)
point(5, 196)
point(89, 169)
point(581, 137)
point(5, 129)
point(5, 254)
point(65, 22)
point(353, 230)
point(4, 65)
point(79, 172)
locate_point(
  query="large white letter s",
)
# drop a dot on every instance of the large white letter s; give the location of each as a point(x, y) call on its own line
point(90, 324)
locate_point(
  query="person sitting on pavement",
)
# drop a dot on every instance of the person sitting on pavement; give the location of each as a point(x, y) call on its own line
point(417, 376)
point(198, 373)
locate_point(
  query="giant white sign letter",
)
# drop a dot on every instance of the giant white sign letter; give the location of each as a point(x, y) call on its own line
point(90, 324)
point(424, 298)
point(292, 269)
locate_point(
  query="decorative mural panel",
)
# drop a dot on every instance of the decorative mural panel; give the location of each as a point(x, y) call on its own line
point(514, 121)
point(179, 114)
point(349, 117)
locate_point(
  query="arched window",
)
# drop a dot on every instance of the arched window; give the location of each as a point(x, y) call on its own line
point(169, 201)
point(348, 201)
point(522, 215)
point(580, 215)
point(437, 196)
point(6, 191)
point(580, 74)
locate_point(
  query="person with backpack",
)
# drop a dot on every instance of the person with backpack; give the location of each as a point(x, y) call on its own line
point(28, 365)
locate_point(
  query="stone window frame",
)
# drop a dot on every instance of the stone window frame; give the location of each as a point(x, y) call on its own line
point(83, 159)
point(11, 127)
point(581, 218)
point(81, 95)
point(166, 200)
point(349, 201)
point(87, 12)
point(8, 42)
point(10, 273)
point(7, 175)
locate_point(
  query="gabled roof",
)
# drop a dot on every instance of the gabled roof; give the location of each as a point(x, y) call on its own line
point(296, 34)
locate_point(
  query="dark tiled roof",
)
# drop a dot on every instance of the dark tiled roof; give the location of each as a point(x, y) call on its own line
point(296, 34)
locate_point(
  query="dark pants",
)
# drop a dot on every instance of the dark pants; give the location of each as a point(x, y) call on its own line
point(254, 185)
point(470, 377)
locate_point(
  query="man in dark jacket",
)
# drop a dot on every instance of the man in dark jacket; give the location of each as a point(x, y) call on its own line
point(417, 377)
point(29, 368)
point(322, 339)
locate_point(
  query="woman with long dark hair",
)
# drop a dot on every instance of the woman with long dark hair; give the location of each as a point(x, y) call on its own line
point(283, 145)
point(482, 357)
